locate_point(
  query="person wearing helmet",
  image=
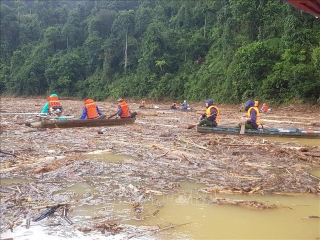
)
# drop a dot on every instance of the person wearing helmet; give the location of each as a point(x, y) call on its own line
point(253, 115)
point(184, 105)
point(90, 110)
point(212, 116)
point(52, 106)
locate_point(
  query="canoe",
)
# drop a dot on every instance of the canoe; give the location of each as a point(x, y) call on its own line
point(67, 123)
point(289, 132)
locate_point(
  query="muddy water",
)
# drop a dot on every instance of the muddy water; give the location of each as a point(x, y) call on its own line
point(316, 173)
point(300, 141)
point(106, 156)
point(291, 220)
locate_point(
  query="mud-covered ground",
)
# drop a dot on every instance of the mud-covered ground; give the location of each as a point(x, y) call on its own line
point(161, 152)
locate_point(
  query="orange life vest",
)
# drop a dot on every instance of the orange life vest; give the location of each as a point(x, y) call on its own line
point(53, 102)
point(125, 109)
point(208, 113)
point(91, 108)
point(258, 122)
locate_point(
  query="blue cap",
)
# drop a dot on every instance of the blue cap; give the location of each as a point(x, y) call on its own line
point(54, 95)
point(209, 101)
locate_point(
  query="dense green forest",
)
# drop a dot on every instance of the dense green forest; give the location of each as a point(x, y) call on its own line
point(227, 50)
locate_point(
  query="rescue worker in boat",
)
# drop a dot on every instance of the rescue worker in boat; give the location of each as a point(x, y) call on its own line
point(90, 110)
point(143, 104)
point(212, 116)
point(123, 109)
point(264, 108)
point(174, 105)
point(184, 105)
point(52, 106)
point(253, 115)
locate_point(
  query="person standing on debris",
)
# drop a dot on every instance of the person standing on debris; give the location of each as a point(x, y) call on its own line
point(52, 106)
point(253, 115)
point(90, 110)
point(211, 117)
point(123, 109)
point(184, 105)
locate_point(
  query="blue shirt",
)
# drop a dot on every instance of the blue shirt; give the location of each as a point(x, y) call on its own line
point(184, 105)
point(119, 110)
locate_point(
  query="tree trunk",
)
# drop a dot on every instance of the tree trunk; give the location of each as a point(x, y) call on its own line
point(126, 54)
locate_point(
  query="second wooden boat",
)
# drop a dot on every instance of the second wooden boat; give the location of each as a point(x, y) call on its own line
point(290, 132)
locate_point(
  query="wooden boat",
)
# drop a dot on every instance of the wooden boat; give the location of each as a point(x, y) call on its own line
point(290, 132)
point(71, 123)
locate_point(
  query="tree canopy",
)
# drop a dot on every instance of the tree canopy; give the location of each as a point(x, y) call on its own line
point(227, 50)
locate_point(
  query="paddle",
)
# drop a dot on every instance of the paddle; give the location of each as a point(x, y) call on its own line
point(113, 115)
point(243, 128)
point(192, 126)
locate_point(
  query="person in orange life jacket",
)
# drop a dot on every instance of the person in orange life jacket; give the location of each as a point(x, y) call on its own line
point(123, 109)
point(211, 117)
point(90, 110)
point(52, 106)
point(253, 115)
point(264, 108)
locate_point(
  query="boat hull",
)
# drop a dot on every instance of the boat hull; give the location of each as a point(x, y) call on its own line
point(81, 123)
point(291, 132)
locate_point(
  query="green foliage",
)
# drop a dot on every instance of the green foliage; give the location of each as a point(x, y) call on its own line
point(227, 50)
point(293, 77)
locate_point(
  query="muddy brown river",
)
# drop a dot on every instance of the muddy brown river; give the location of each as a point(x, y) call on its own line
point(156, 179)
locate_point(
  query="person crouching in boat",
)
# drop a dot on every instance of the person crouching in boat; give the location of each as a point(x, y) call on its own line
point(90, 110)
point(253, 115)
point(123, 109)
point(52, 106)
point(212, 115)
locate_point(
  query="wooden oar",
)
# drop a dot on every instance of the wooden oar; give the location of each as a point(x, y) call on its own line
point(243, 128)
point(113, 115)
point(192, 126)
